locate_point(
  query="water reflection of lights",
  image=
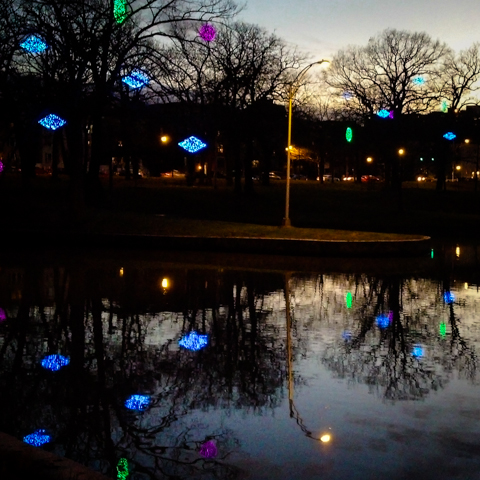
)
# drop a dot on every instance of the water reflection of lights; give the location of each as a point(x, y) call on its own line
point(208, 449)
point(193, 341)
point(325, 438)
point(122, 469)
point(55, 362)
point(448, 297)
point(37, 438)
point(417, 351)
point(138, 402)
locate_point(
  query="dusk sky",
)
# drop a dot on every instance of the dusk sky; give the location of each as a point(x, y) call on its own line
point(321, 27)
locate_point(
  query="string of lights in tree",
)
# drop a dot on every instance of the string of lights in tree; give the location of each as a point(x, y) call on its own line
point(137, 402)
point(449, 136)
point(192, 144)
point(52, 122)
point(385, 113)
point(34, 44)
point(120, 10)
point(193, 341)
point(207, 32)
point(54, 362)
point(37, 438)
point(136, 79)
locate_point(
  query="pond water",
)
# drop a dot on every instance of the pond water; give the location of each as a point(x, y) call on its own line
point(176, 365)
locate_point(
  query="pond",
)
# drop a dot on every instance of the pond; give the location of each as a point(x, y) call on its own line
point(182, 365)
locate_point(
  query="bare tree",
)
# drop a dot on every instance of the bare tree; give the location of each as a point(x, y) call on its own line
point(397, 70)
point(460, 75)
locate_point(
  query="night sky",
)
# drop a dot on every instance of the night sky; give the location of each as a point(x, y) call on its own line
point(321, 27)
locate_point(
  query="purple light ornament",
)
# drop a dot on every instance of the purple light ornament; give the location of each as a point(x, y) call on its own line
point(209, 449)
point(207, 32)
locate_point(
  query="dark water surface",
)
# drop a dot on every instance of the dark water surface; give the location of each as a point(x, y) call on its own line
point(380, 355)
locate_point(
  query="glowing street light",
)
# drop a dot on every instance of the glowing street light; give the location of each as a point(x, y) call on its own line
point(369, 159)
point(401, 151)
point(294, 86)
point(164, 139)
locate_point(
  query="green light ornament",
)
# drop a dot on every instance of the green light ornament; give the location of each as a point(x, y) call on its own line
point(349, 134)
point(444, 106)
point(443, 329)
point(349, 300)
point(120, 10)
point(122, 469)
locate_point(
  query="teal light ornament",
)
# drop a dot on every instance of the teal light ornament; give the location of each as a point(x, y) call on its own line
point(449, 136)
point(349, 134)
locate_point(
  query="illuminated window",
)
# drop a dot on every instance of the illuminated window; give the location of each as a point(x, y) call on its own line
point(55, 362)
point(37, 438)
point(208, 449)
point(193, 341)
point(136, 79)
point(138, 402)
point(207, 32)
point(34, 44)
point(52, 122)
point(192, 144)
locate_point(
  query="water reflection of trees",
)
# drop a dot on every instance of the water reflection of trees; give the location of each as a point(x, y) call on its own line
point(410, 357)
point(121, 336)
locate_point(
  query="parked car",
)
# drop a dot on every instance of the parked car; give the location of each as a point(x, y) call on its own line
point(274, 176)
point(369, 178)
point(328, 178)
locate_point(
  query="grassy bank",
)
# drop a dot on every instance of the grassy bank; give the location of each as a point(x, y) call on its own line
point(166, 205)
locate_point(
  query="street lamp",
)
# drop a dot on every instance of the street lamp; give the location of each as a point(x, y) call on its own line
point(293, 89)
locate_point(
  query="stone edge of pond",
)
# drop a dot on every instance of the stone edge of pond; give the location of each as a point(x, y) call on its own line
point(19, 460)
point(277, 246)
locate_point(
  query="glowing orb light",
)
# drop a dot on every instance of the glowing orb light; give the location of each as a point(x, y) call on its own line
point(417, 351)
point(349, 300)
point(37, 438)
point(136, 79)
point(120, 10)
point(325, 438)
point(138, 402)
point(55, 362)
point(122, 469)
point(444, 106)
point(443, 329)
point(349, 134)
point(208, 449)
point(34, 44)
point(207, 32)
point(448, 297)
point(52, 122)
point(193, 341)
point(192, 144)
point(418, 81)
point(3, 315)
point(384, 114)
point(383, 321)
point(449, 136)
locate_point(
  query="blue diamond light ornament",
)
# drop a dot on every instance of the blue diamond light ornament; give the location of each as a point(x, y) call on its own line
point(54, 362)
point(37, 438)
point(136, 79)
point(449, 136)
point(52, 122)
point(383, 113)
point(34, 44)
point(137, 402)
point(193, 341)
point(192, 144)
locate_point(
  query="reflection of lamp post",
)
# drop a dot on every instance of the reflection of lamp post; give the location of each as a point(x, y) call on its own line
point(293, 89)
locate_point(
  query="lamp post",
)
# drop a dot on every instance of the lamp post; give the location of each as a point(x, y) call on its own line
point(293, 89)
